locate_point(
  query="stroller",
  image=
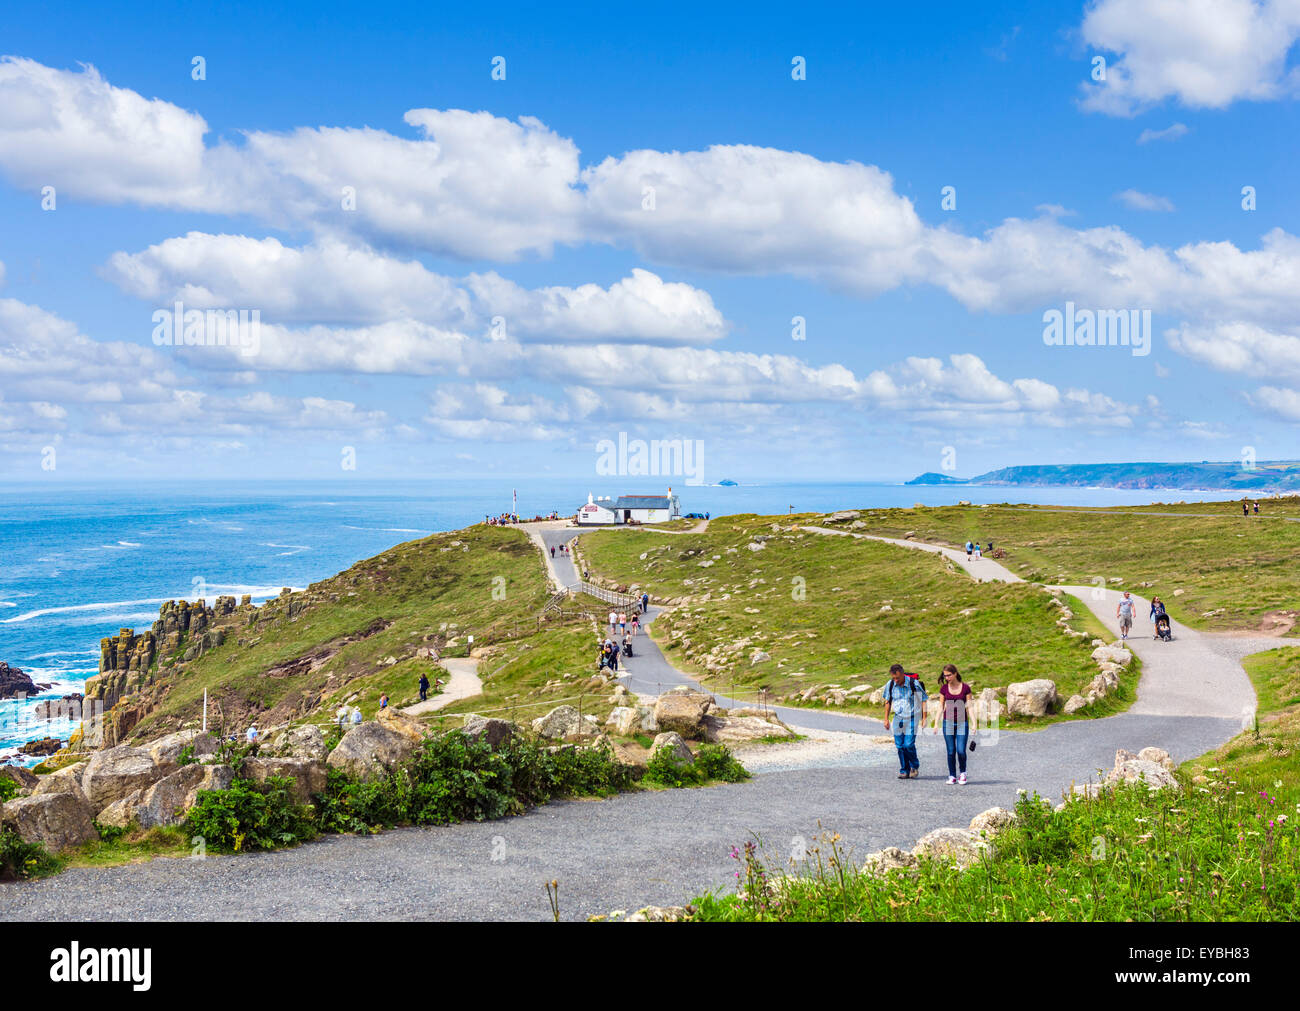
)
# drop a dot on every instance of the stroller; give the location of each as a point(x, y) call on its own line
point(1163, 631)
point(627, 647)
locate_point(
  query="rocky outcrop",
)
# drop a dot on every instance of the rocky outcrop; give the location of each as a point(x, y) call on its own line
point(41, 746)
point(297, 742)
point(166, 751)
point(742, 729)
point(369, 750)
point(59, 821)
point(14, 682)
point(891, 858)
point(1156, 769)
point(65, 780)
point(400, 723)
point(26, 780)
point(1031, 698)
point(989, 823)
point(624, 721)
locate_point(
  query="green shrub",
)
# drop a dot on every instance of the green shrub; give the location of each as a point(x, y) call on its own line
point(712, 762)
point(20, 859)
point(186, 756)
point(250, 816)
point(109, 833)
point(8, 789)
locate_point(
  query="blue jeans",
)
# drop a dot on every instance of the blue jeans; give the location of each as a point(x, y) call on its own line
point(954, 737)
point(905, 742)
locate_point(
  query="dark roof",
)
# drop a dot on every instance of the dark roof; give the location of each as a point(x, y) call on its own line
point(643, 502)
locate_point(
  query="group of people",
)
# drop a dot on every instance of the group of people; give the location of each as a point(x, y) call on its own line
point(973, 547)
point(1245, 508)
point(905, 713)
point(1126, 610)
point(611, 647)
point(564, 552)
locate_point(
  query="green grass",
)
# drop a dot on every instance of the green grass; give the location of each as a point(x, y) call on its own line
point(485, 581)
point(813, 603)
point(133, 846)
point(1207, 854)
point(1209, 551)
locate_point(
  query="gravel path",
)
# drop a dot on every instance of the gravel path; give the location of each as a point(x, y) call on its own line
point(462, 683)
point(663, 847)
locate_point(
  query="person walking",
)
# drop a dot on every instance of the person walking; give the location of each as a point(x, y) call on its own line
point(969, 548)
point(613, 620)
point(1257, 507)
point(424, 686)
point(636, 624)
point(552, 550)
point(622, 622)
point(1245, 508)
point(645, 602)
point(252, 734)
point(956, 722)
point(977, 551)
point(1124, 612)
point(613, 658)
point(904, 713)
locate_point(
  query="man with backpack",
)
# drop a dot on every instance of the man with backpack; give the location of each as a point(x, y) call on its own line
point(905, 700)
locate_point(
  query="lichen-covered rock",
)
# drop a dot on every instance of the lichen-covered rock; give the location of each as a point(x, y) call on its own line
point(1031, 698)
point(399, 722)
point(623, 721)
point(370, 749)
point(65, 780)
point(59, 821)
point(563, 722)
point(682, 712)
point(672, 743)
point(1074, 704)
point(1131, 768)
point(307, 741)
point(891, 858)
point(494, 731)
point(25, 779)
point(741, 729)
point(1157, 755)
point(960, 845)
point(166, 751)
point(308, 775)
point(1113, 654)
point(992, 821)
point(117, 772)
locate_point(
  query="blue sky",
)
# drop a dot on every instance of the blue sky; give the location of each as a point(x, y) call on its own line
point(525, 200)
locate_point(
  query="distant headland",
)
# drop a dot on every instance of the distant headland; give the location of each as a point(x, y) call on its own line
point(1277, 476)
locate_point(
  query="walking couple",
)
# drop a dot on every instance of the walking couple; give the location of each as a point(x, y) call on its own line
point(905, 699)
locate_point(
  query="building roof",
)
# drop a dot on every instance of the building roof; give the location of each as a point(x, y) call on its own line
point(643, 502)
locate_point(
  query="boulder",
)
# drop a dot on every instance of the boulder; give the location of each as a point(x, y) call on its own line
point(399, 722)
point(307, 741)
point(59, 821)
point(673, 744)
point(1074, 704)
point(649, 725)
point(1113, 654)
point(122, 812)
point(65, 780)
point(166, 751)
point(25, 779)
point(488, 728)
point(891, 858)
point(957, 844)
point(117, 772)
point(1031, 698)
point(659, 914)
point(624, 721)
point(563, 722)
point(741, 729)
point(370, 749)
point(166, 802)
point(307, 774)
point(682, 712)
point(759, 656)
point(989, 823)
point(1129, 768)
point(1157, 755)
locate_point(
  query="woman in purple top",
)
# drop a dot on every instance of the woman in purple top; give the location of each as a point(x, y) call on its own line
point(956, 722)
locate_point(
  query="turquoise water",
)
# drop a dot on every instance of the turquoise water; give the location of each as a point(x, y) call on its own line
point(80, 562)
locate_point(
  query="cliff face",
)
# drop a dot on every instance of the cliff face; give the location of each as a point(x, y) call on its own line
point(129, 664)
point(14, 682)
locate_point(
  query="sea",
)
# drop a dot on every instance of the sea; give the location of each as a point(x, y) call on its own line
point(80, 562)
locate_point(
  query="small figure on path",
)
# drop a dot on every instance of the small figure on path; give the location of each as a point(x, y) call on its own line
point(552, 550)
point(627, 645)
point(904, 712)
point(645, 602)
point(956, 722)
point(613, 620)
point(252, 734)
point(1124, 612)
point(1245, 508)
point(977, 551)
point(969, 548)
point(622, 622)
point(636, 625)
point(424, 686)
point(1256, 508)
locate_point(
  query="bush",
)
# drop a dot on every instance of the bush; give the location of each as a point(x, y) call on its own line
point(20, 859)
point(250, 816)
point(712, 762)
point(453, 778)
point(8, 789)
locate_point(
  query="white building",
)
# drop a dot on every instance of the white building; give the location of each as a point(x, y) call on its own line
point(629, 509)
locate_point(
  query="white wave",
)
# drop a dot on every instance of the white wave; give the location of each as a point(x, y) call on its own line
point(101, 606)
point(63, 652)
point(7, 603)
point(296, 548)
point(389, 530)
point(128, 544)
